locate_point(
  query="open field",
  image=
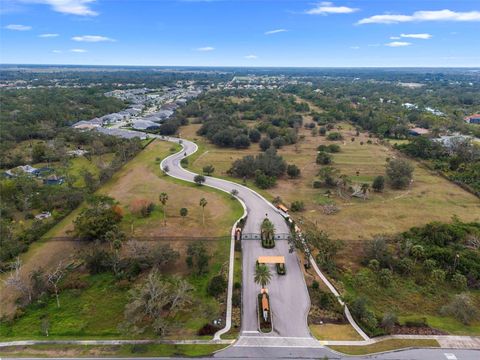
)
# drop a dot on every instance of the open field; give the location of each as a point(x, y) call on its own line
point(430, 198)
point(140, 178)
point(79, 351)
point(385, 345)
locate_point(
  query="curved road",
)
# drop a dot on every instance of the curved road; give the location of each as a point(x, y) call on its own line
point(290, 301)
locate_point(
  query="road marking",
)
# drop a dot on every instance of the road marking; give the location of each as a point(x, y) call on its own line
point(450, 356)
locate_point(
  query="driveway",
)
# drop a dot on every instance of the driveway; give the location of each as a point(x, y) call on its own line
point(290, 301)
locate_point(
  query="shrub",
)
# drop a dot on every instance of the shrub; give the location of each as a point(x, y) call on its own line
point(216, 286)
point(208, 329)
point(317, 184)
point(385, 277)
point(254, 135)
point(334, 148)
point(388, 322)
point(264, 181)
point(324, 158)
point(322, 131)
point(241, 141)
point(459, 281)
point(278, 142)
point(333, 136)
point(297, 206)
point(461, 308)
point(265, 143)
point(142, 207)
point(208, 170)
point(293, 171)
point(378, 183)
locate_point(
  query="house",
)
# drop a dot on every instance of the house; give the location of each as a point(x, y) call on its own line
point(145, 125)
point(417, 131)
point(473, 119)
point(77, 152)
point(126, 134)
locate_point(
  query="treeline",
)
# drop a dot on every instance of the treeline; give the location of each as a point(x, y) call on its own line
point(459, 159)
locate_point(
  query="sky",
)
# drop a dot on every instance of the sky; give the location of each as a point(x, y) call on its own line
point(355, 33)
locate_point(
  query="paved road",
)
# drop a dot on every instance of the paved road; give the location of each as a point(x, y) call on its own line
point(309, 354)
point(289, 296)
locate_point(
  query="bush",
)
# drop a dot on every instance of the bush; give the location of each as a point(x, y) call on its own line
point(254, 135)
point(216, 286)
point(334, 148)
point(322, 131)
point(264, 181)
point(461, 308)
point(265, 143)
point(293, 171)
point(208, 329)
point(324, 158)
point(297, 206)
point(241, 141)
point(278, 142)
point(317, 184)
point(333, 136)
point(378, 183)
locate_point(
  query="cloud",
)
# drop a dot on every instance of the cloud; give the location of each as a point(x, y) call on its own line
point(355, 47)
point(48, 35)
point(73, 7)
point(435, 15)
point(251, 57)
point(58, 51)
point(398, 44)
point(276, 31)
point(205, 48)
point(78, 50)
point(91, 38)
point(18, 27)
point(417, 36)
point(326, 7)
point(395, 38)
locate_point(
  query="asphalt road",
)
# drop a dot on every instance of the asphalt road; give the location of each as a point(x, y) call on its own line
point(308, 354)
point(290, 301)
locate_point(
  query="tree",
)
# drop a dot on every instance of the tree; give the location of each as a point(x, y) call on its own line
point(459, 281)
point(208, 170)
point(97, 219)
point(241, 141)
point(385, 277)
point(199, 179)
point(278, 142)
point(197, 257)
point(233, 193)
point(54, 277)
point(418, 252)
point(378, 183)
point(163, 200)
point(16, 281)
point(334, 136)
point(263, 275)
point(265, 143)
point(163, 255)
point(322, 131)
point(297, 206)
point(264, 181)
point(141, 207)
point(217, 285)
point(293, 171)
point(203, 202)
point(183, 212)
point(399, 173)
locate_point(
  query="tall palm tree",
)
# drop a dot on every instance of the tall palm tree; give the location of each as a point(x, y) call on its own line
point(262, 275)
point(203, 203)
point(268, 229)
point(163, 199)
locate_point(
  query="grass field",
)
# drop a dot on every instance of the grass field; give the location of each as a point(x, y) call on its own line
point(430, 198)
point(385, 345)
point(79, 351)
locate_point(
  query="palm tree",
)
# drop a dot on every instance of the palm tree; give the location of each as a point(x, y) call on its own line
point(262, 275)
point(163, 199)
point(268, 229)
point(203, 203)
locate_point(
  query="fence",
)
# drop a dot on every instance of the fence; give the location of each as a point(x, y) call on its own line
point(255, 236)
point(147, 238)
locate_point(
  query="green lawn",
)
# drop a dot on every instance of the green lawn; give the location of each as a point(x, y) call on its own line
point(385, 345)
point(79, 351)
